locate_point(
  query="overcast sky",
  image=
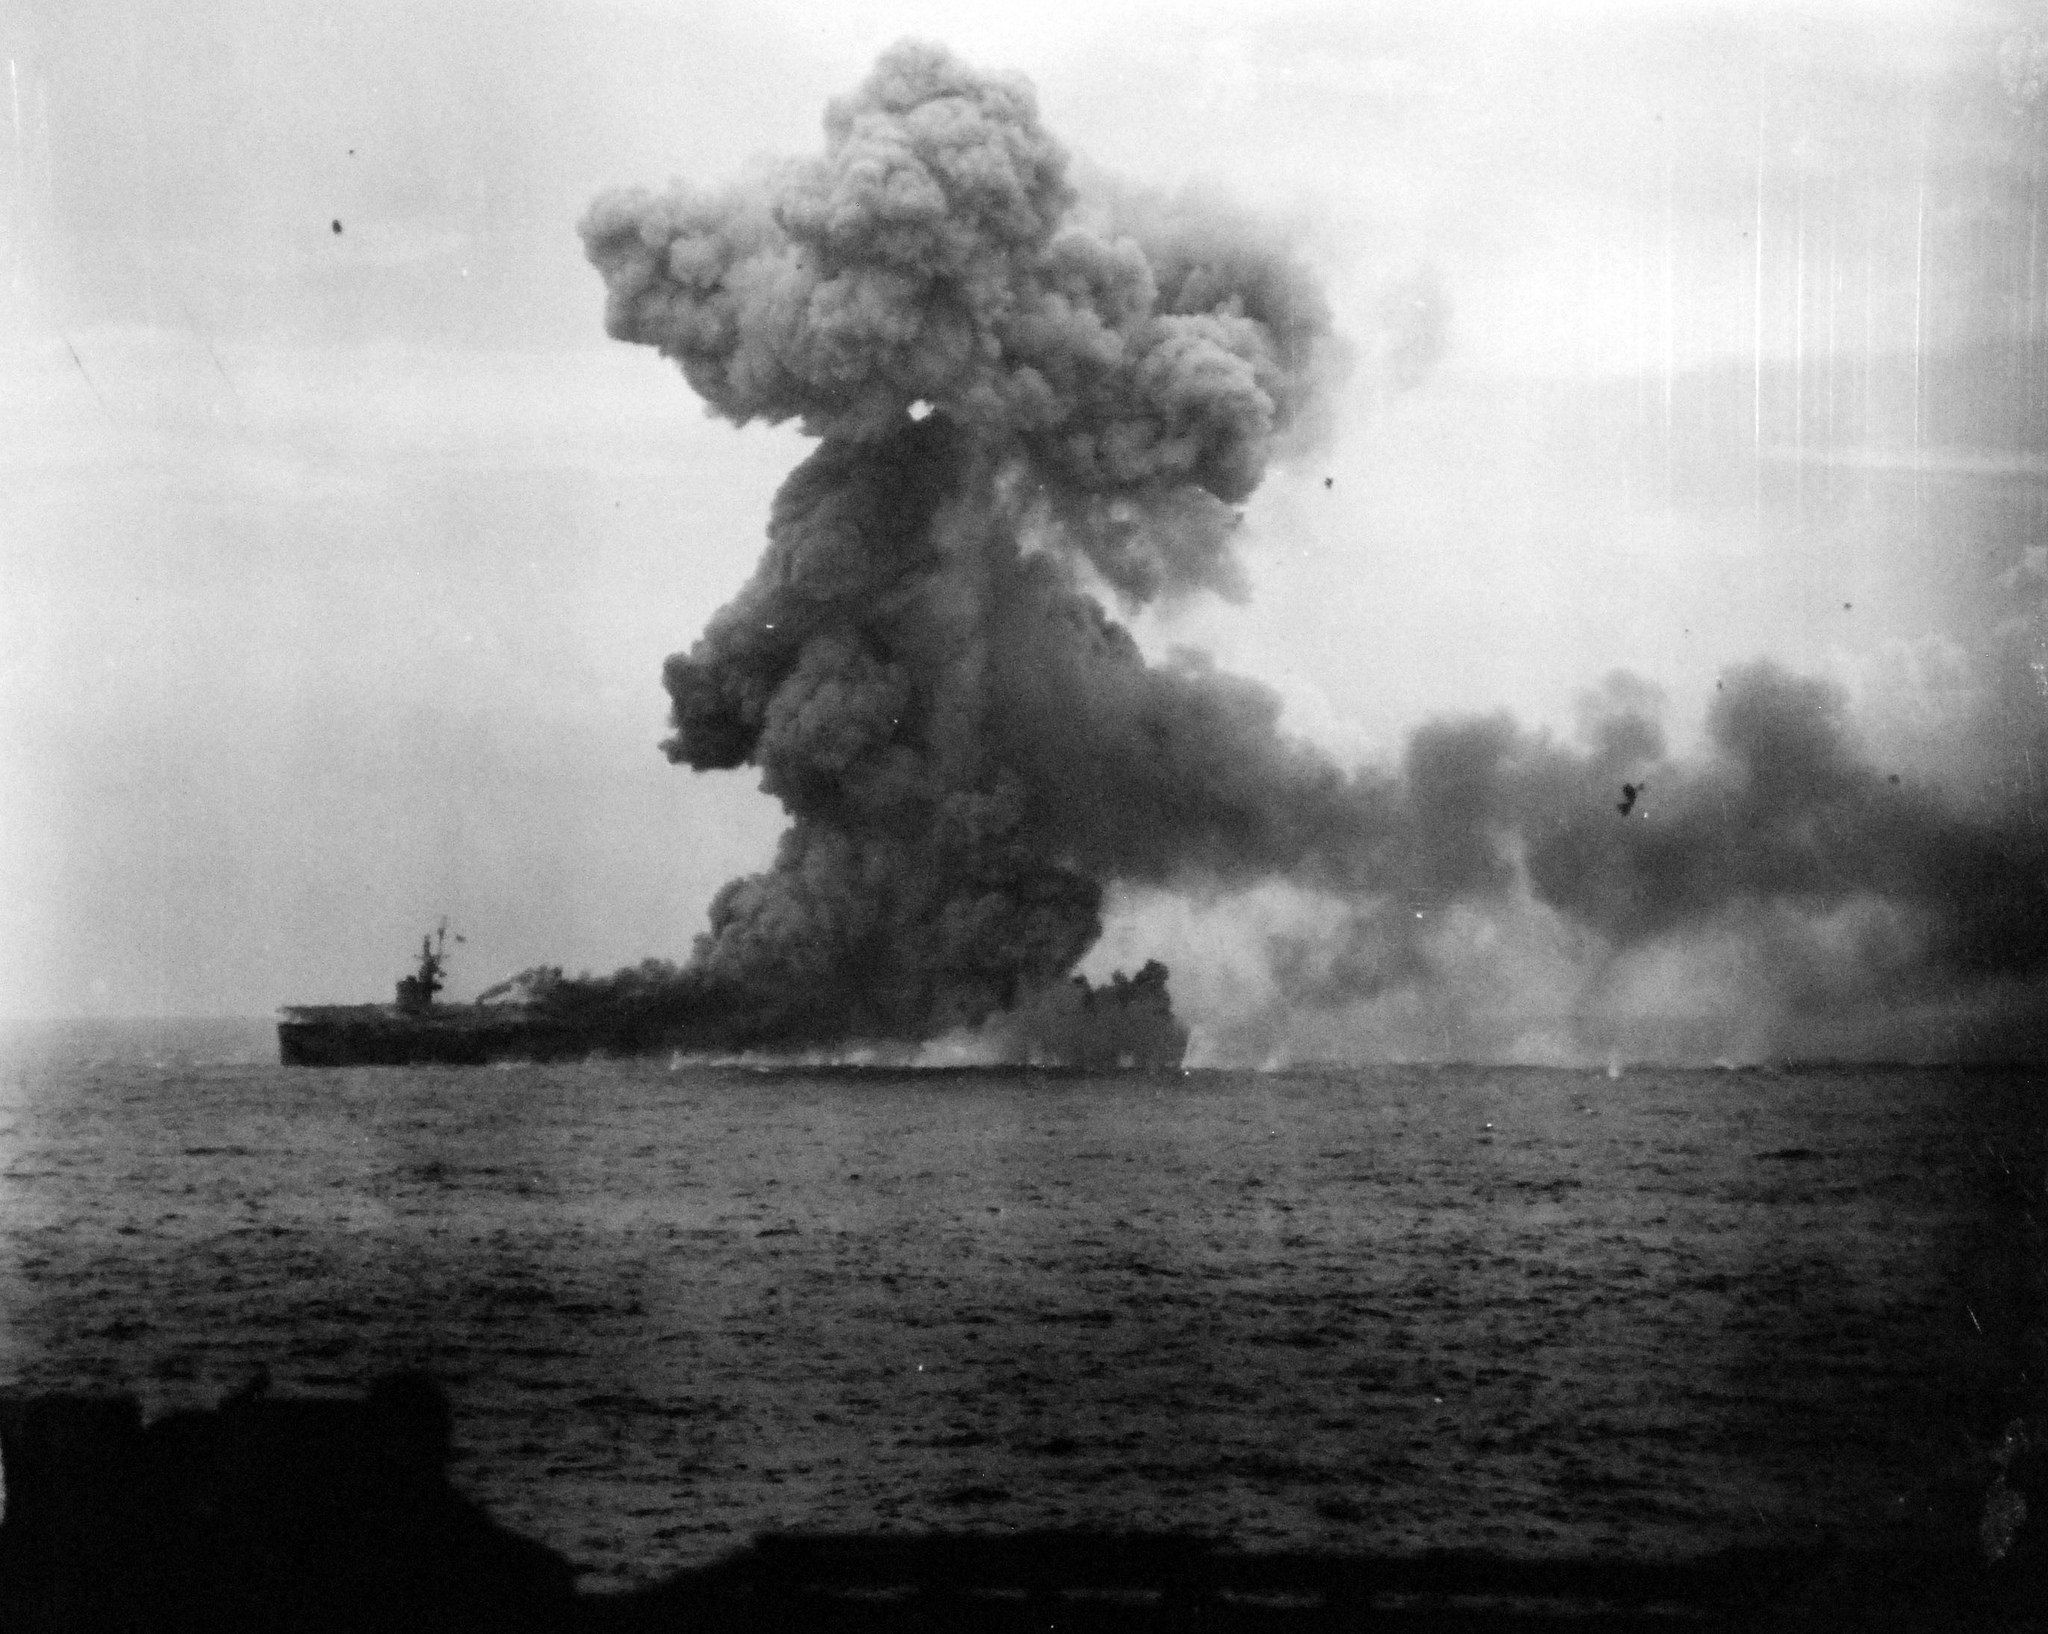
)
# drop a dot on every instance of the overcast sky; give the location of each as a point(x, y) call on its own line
point(339, 549)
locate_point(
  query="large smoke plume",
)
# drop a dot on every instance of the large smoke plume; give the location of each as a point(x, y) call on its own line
point(1026, 400)
point(1013, 393)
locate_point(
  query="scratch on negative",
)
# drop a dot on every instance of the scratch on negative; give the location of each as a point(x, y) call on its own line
point(75, 358)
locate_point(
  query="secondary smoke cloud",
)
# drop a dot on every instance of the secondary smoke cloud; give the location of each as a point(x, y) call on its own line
point(1779, 895)
point(1023, 398)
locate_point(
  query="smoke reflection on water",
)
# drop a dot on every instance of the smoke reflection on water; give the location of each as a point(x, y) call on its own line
point(1518, 1309)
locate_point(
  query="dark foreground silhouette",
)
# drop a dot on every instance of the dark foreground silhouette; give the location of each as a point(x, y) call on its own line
point(336, 1516)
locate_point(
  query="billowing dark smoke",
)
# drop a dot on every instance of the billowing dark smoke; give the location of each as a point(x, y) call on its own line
point(1009, 389)
point(1022, 398)
point(1787, 809)
point(1779, 895)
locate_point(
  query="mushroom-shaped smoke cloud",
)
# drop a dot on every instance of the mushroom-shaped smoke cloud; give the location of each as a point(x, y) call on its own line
point(1006, 385)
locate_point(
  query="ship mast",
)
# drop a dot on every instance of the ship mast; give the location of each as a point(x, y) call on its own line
point(416, 992)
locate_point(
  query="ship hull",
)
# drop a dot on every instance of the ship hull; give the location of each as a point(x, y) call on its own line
point(370, 1036)
point(339, 1044)
point(383, 1036)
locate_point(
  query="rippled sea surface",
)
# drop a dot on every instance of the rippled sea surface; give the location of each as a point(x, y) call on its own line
point(1530, 1310)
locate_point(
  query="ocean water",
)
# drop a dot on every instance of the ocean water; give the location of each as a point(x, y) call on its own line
point(1536, 1311)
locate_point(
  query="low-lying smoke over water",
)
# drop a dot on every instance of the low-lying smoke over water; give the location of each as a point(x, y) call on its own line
point(1033, 399)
